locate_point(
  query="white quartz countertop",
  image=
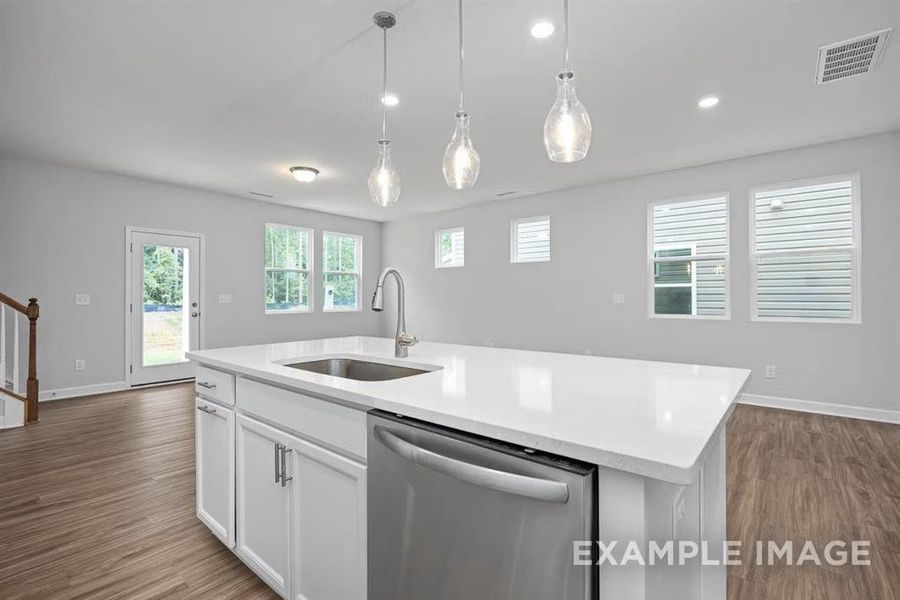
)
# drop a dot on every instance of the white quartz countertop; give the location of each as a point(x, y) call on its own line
point(648, 418)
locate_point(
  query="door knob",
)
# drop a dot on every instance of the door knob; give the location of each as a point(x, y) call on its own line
point(195, 314)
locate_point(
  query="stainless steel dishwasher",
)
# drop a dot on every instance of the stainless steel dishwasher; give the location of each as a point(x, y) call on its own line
point(454, 516)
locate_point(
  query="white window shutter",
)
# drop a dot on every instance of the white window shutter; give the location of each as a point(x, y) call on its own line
point(805, 252)
point(531, 240)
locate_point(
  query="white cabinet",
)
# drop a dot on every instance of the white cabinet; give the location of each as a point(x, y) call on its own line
point(214, 427)
point(263, 504)
point(304, 534)
point(328, 515)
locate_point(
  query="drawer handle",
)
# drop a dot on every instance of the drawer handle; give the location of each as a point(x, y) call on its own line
point(277, 462)
point(284, 477)
point(207, 410)
point(207, 385)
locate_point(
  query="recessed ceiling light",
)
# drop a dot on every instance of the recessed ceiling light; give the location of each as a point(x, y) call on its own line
point(541, 30)
point(304, 174)
point(390, 100)
point(708, 101)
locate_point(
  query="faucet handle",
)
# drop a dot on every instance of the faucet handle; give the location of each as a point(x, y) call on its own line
point(407, 339)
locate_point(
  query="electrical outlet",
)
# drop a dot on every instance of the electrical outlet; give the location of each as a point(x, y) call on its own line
point(82, 299)
point(589, 352)
point(79, 364)
point(618, 298)
point(770, 371)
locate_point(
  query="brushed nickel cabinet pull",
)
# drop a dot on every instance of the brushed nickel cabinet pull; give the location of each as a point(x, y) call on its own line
point(284, 478)
point(277, 463)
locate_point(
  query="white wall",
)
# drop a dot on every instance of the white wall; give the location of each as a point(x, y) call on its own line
point(599, 247)
point(62, 232)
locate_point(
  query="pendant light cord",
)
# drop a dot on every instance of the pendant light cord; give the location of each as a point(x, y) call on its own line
point(566, 35)
point(384, 88)
point(460, 57)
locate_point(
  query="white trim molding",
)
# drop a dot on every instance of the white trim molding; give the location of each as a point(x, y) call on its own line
point(82, 390)
point(823, 408)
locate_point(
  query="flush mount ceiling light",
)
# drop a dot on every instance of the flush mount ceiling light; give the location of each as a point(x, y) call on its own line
point(461, 161)
point(567, 130)
point(708, 101)
point(390, 100)
point(384, 180)
point(304, 174)
point(541, 30)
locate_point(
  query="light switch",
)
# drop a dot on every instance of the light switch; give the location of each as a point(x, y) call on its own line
point(618, 298)
point(224, 298)
point(82, 299)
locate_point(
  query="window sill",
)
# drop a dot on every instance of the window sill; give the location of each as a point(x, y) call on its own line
point(817, 321)
point(449, 266)
point(301, 311)
point(332, 311)
point(693, 317)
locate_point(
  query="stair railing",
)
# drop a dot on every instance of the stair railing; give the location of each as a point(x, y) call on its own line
point(11, 382)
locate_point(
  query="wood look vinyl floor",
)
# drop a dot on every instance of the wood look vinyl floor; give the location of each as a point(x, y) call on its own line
point(97, 501)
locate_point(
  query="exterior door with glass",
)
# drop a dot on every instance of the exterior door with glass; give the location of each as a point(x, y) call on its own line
point(164, 305)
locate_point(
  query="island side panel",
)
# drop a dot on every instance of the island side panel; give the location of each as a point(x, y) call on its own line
point(713, 526)
point(622, 513)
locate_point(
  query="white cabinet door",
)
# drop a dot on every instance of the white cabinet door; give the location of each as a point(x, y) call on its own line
point(263, 517)
point(328, 513)
point(215, 468)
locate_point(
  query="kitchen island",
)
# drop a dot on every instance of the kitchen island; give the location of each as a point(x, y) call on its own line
point(654, 430)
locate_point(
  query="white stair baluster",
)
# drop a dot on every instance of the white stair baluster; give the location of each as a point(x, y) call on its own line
point(17, 385)
point(2, 346)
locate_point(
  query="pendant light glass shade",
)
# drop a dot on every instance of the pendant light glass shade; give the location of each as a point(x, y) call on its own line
point(567, 130)
point(384, 180)
point(461, 160)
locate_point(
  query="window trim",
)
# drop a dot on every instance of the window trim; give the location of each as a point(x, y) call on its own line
point(437, 247)
point(651, 261)
point(358, 273)
point(514, 238)
point(310, 236)
point(855, 251)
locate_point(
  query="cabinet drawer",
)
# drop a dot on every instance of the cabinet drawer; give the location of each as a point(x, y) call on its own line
point(332, 425)
point(215, 385)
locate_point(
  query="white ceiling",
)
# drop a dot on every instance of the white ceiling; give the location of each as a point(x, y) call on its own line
point(226, 96)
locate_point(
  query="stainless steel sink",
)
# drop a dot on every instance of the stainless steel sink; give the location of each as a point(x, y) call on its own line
point(361, 370)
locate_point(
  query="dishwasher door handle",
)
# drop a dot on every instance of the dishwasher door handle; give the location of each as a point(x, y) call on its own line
point(501, 481)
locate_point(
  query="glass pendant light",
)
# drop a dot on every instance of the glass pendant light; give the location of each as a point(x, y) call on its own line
point(461, 161)
point(384, 180)
point(567, 130)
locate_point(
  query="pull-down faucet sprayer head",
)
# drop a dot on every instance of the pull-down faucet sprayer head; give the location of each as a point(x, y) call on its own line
point(378, 299)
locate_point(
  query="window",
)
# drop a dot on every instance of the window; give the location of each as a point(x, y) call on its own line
point(530, 240)
point(449, 248)
point(288, 256)
point(341, 267)
point(804, 244)
point(688, 252)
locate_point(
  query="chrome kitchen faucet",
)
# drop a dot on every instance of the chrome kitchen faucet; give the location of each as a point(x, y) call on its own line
point(403, 340)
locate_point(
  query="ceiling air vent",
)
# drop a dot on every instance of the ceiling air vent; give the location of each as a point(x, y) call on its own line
point(850, 57)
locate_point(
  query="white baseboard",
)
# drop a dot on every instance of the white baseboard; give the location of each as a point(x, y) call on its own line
point(823, 408)
point(82, 390)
